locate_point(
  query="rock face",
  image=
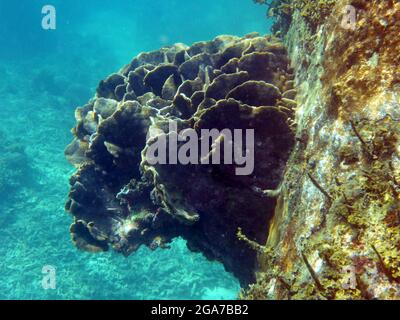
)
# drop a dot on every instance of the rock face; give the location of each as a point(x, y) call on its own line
point(335, 233)
point(122, 200)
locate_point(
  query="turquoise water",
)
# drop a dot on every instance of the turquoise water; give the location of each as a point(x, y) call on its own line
point(45, 75)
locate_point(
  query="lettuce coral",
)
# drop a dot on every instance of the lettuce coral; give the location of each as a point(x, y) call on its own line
point(119, 199)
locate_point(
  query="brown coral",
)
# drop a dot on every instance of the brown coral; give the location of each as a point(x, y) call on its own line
point(118, 198)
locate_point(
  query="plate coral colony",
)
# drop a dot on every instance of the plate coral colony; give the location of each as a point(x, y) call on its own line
point(294, 188)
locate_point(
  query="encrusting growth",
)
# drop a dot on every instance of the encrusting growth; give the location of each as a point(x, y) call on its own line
point(335, 233)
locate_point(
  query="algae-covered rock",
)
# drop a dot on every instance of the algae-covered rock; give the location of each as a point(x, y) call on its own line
point(335, 233)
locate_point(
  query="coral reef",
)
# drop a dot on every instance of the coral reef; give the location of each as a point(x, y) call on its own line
point(318, 218)
point(120, 199)
point(34, 174)
point(335, 232)
point(14, 165)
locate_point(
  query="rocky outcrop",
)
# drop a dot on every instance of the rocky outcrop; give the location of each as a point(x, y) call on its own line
point(335, 233)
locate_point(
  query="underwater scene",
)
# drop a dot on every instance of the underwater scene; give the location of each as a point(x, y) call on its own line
point(46, 74)
point(199, 150)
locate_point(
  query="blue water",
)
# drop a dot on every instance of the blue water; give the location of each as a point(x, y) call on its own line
point(45, 75)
